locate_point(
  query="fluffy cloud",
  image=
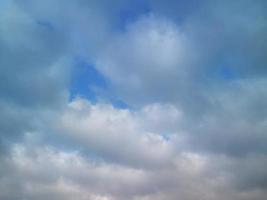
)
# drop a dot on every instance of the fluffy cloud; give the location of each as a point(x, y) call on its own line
point(152, 56)
point(194, 82)
point(160, 59)
point(119, 134)
point(45, 172)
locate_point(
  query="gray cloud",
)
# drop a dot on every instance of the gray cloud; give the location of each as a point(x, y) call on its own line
point(193, 74)
point(158, 60)
point(33, 71)
point(32, 59)
point(46, 172)
point(204, 44)
point(237, 125)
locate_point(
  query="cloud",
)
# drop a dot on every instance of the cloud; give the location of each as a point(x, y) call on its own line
point(237, 124)
point(33, 74)
point(152, 56)
point(47, 172)
point(104, 130)
point(33, 60)
point(159, 59)
point(193, 78)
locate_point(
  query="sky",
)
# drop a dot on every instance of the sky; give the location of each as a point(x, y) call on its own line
point(133, 99)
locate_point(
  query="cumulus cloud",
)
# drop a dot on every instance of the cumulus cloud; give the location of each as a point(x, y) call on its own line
point(152, 55)
point(45, 172)
point(119, 134)
point(193, 79)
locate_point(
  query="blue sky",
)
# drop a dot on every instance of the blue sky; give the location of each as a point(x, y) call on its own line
point(81, 85)
point(137, 100)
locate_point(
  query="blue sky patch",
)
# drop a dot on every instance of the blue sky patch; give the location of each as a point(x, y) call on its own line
point(45, 24)
point(85, 80)
point(131, 13)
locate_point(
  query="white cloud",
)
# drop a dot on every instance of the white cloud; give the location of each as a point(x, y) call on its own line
point(190, 132)
point(45, 172)
point(152, 57)
point(119, 134)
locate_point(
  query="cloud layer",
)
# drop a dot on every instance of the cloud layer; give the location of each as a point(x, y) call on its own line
point(182, 113)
